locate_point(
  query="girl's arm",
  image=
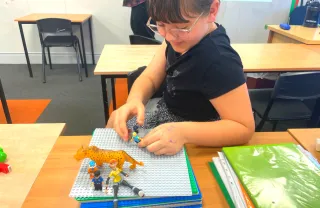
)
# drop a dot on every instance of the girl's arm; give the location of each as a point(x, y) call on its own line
point(236, 126)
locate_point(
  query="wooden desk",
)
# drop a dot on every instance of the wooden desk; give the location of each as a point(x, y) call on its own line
point(61, 162)
point(297, 34)
point(27, 147)
point(307, 139)
point(116, 61)
point(76, 19)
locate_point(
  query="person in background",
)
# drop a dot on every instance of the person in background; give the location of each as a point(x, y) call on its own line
point(139, 18)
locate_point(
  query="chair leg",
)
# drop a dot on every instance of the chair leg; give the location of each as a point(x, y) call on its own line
point(260, 125)
point(80, 55)
point(49, 57)
point(78, 63)
point(43, 66)
point(274, 125)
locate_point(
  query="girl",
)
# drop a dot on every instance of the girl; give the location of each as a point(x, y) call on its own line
point(206, 100)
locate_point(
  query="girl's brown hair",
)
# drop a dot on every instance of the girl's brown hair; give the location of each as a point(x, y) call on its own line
point(174, 11)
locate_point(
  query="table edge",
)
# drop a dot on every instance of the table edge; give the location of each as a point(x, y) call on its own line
point(20, 20)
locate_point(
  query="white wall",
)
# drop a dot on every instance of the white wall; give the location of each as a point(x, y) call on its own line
point(244, 22)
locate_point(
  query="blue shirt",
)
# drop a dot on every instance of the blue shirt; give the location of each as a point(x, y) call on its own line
point(97, 180)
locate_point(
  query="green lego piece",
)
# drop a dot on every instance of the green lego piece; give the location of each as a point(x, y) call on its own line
point(3, 156)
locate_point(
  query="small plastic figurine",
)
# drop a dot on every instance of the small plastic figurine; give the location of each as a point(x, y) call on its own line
point(101, 156)
point(5, 168)
point(97, 181)
point(118, 180)
point(92, 168)
point(136, 138)
point(136, 129)
point(3, 155)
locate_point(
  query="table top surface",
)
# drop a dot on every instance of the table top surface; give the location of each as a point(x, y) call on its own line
point(307, 139)
point(300, 33)
point(61, 162)
point(27, 147)
point(122, 59)
point(75, 18)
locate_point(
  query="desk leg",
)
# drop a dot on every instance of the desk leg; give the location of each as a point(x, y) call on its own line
point(4, 105)
point(25, 49)
point(84, 51)
point(91, 40)
point(113, 87)
point(105, 98)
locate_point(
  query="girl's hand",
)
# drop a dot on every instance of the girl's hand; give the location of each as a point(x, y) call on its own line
point(118, 119)
point(166, 139)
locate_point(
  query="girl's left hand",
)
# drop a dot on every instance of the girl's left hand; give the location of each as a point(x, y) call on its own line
point(166, 139)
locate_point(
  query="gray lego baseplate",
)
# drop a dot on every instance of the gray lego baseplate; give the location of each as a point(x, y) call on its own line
point(160, 176)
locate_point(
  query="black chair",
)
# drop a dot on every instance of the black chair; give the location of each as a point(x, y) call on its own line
point(140, 40)
point(4, 104)
point(132, 76)
point(55, 32)
point(135, 74)
point(285, 101)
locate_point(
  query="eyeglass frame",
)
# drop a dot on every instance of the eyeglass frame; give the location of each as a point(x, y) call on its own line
point(175, 29)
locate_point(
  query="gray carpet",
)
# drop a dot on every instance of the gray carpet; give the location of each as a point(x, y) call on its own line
point(79, 104)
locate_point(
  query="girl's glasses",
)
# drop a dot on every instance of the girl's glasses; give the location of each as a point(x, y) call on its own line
point(177, 33)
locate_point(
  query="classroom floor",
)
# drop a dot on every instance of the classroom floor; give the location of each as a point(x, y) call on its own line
point(79, 104)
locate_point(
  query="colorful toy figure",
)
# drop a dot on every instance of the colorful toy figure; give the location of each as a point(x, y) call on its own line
point(136, 129)
point(92, 168)
point(118, 180)
point(97, 181)
point(5, 168)
point(3, 155)
point(101, 156)
point(135, 137)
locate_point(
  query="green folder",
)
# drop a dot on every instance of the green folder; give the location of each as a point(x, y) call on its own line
point(221, 184)
point(276, 175)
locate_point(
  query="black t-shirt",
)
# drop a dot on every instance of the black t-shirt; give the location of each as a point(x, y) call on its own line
point(208, 70)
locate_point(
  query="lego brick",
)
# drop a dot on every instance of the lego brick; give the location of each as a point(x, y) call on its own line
point(160, 176)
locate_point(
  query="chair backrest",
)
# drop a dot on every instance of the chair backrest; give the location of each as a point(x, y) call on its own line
point(297, 15)
point(140, 40)
point(54, 26)
point(303, 86)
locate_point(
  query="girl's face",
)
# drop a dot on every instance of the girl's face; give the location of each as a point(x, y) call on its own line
point(183, 36)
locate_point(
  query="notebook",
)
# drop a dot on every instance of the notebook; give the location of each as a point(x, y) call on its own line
point(276, 175)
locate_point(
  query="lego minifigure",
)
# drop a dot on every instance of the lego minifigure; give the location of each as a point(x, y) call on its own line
point(92, 168)
point(97, 181)
point(136, 129)
point(118, 180)
point(135, 137)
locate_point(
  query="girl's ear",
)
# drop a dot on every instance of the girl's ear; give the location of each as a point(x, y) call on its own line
point(213, 11)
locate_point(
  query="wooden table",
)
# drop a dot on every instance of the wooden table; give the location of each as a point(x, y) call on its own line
point(27, 147)
point(60, 162)
point(297, 34)
point(307, 139)
point(76, 19)
point(116, 61)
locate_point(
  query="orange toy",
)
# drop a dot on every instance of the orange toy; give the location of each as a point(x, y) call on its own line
point(101, 156)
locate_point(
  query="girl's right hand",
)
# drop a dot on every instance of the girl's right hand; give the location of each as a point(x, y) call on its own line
point(118, 119)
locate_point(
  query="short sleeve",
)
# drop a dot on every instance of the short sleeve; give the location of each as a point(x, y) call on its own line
point(223, 76)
